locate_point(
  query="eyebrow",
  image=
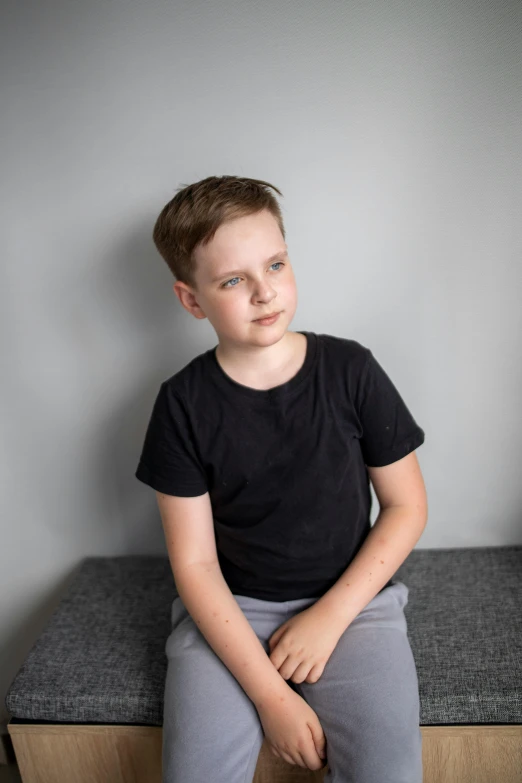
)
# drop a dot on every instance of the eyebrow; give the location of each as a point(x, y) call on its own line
point(235, 271)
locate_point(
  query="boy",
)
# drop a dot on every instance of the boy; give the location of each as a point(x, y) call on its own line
point(287, 624)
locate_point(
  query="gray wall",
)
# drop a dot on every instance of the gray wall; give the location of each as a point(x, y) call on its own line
point(393, 130)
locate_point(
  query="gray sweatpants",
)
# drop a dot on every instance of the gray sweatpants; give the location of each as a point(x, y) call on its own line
point(367, 699)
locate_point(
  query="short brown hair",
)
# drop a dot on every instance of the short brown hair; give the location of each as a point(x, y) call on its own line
point(194, 214)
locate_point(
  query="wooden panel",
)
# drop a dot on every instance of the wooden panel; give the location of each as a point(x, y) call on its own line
point(271, 769)
point(132, 754)
point(87, 754)
point(472, 754)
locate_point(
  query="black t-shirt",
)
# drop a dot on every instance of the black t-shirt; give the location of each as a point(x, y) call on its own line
point(285, 467)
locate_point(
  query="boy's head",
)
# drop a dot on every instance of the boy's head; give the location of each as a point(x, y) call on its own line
point(229, 228)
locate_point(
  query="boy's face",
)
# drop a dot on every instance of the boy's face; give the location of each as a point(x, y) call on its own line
point(250, 283)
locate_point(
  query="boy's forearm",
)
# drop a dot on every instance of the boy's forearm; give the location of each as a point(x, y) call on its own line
point(391, 539)
point(212, 606)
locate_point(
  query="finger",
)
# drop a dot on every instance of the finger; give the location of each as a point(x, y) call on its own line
point(285, 668)
point(287, 758)
point(274, 639)
point(319, 739)
point(301, 673)
point(315, 673)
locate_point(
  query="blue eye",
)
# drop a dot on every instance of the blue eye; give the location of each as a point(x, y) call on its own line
point(226, 285)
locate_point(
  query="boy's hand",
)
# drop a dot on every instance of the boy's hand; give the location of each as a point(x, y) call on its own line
point(301, 647)
point(292, 729)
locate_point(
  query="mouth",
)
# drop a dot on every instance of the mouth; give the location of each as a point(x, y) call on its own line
point(265, 317)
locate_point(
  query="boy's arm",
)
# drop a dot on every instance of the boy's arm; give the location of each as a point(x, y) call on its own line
point(212, 605)
point(189, 533)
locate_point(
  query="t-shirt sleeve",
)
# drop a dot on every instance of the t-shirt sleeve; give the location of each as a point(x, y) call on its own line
point(389, 431)
point(169, 461)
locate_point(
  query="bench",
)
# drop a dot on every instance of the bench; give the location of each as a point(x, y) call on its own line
point(87, 703)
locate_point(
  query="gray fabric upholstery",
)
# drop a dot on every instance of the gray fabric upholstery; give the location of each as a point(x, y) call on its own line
point(101, 657)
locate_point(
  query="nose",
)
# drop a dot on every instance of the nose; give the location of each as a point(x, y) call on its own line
point(263, 292)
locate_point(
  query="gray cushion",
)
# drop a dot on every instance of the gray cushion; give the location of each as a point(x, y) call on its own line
point(101, 657)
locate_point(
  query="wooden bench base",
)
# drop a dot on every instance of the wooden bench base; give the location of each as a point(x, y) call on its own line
point(96, 753)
